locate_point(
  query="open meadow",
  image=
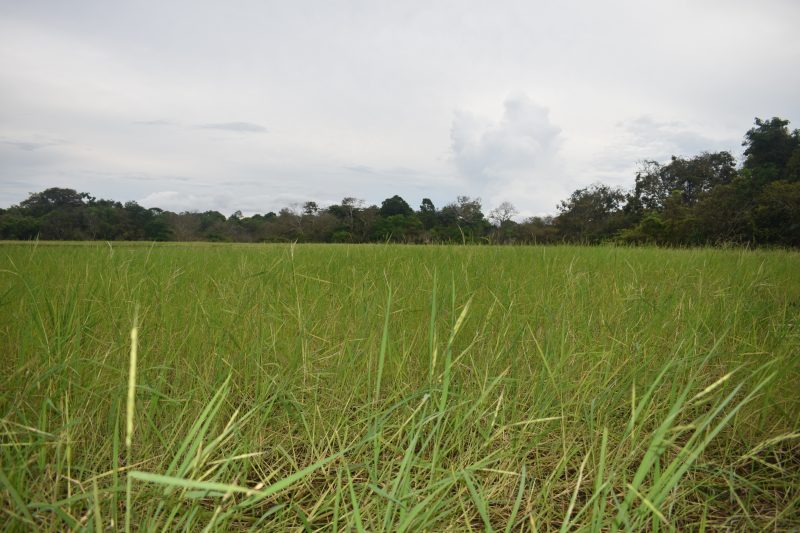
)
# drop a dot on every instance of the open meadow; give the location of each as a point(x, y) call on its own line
point(398, 388)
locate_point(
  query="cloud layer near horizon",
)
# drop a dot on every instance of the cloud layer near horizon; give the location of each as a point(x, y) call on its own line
point(257, 105)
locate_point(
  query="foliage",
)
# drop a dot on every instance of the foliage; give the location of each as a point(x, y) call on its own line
point(769, 148)
point(699, 200)
point(592, 214)
point(691, 178)
point(395, 206)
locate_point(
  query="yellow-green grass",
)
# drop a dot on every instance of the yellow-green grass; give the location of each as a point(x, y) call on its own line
point(388, 388)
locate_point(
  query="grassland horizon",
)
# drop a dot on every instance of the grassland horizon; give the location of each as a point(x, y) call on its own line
point(398, 388)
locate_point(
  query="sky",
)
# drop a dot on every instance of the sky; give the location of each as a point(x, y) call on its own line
point(258, 105)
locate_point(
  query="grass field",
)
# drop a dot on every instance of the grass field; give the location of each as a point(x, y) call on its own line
point(398, 388)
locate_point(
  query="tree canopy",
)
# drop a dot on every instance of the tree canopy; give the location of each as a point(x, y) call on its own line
point(696, 200)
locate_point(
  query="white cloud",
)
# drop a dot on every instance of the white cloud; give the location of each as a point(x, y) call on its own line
point(515, 158)
point(521, 141)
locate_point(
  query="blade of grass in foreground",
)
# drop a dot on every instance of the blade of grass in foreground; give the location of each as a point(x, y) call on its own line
point(129, 417)
point(15, 497)
point(376, 443)
point(598, 510)
point(479, 502)
point(204, 486)
point(517, 502)
point(690, 452)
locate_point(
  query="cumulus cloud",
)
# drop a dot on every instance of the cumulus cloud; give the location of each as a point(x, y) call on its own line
point(523, 141)
point(516, 157)
point(239, 127)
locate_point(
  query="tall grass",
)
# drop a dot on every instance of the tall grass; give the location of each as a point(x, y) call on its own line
point(391, 388)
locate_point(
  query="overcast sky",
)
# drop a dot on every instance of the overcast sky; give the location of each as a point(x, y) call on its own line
point(257, 105)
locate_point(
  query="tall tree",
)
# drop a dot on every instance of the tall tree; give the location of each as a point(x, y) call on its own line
point(591, 214)
point(777, 214)
point(769, 146)
point(463, 220)
point(503, 213)
point(41, 203)
point(427, 213)
point(395, 206)
point(655, 183)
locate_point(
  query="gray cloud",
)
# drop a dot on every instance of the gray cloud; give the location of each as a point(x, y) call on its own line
point(27, 145)
point(239, 127)
point(408, 174)
point(142, 177)
point(154, 123)
point(360, 168)
point(37, 143)
point(662, 139)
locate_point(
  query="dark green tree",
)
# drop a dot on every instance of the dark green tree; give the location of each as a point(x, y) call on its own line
point(769, 147)
point(776, 216)
point(41, 203)
point(691, 178)
point(398, 228)
point(16, 226)
point(591, 214)
point(537, 230)
point(724, 214)
point(395, 206)
point(427, 213)
point(462, 221)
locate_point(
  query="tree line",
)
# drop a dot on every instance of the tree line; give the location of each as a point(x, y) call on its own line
point(701, 200)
